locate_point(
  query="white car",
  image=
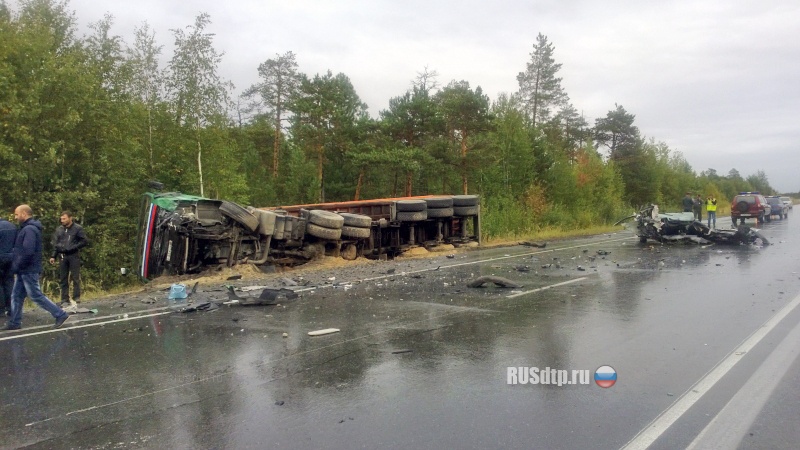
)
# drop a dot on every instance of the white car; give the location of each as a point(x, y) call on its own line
point(787, 201)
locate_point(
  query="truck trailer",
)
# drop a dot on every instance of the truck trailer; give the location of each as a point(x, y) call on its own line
point(181, 234)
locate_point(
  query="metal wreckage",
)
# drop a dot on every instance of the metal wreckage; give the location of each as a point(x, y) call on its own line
point(180, 233)
point(683, 227)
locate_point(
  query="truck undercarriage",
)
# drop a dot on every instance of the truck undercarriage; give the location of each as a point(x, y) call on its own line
point(181, 234)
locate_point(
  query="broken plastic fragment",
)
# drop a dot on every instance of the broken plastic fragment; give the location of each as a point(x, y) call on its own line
point(323, 332)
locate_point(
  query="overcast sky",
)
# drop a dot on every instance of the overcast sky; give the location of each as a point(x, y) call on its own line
point(717, 80)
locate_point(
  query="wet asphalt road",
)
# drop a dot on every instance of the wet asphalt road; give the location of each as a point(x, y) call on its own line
point(422, 361)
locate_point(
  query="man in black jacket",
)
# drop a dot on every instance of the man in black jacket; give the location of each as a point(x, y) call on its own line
point(8, 234)
point(68, 240)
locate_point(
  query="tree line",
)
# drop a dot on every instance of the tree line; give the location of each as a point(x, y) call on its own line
point(86, 121)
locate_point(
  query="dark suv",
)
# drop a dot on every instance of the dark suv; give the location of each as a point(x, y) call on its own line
point(778, 208)
point(749, 205)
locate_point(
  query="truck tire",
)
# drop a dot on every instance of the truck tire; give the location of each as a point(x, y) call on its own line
point(325, 219)
point(411, 205)
point(356, 232)
point(465, 211)
point(412, 216)
point(465, 200)
point(239, 215)
point(436, 213)
point(439, 202)
point(323, 233)
point(356, 220)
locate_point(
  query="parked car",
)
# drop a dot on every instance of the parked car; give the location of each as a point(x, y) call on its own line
point(788, 202)
point(778, 208)
point(748, 205)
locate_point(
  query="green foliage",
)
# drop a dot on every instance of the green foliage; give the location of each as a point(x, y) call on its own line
point(539, 88)
point(84, 123)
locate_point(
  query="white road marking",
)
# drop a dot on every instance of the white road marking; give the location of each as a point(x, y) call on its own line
point(544, 288)
point(75, 327)
point(663, 421)
point(498, 258)
point(729, 426)
point(48, 328)
point(427, 319)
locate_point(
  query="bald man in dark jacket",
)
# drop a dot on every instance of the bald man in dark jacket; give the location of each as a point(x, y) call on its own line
point(27, 266)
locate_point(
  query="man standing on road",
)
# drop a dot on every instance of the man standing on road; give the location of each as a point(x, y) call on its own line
point(27, 265)
point(8, 234)
point(688, 203)
point(68, 240)
point(711, 210)
point(698, 208)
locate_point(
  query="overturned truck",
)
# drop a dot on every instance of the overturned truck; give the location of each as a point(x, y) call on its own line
point(180, 234)
point(682, 227)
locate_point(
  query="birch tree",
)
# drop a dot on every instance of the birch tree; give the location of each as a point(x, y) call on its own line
point(198, 93)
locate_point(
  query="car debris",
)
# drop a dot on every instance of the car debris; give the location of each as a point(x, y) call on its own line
point(268, 297)
point(534, 244)
point(499, 281)
point(323, 332)
point(682, 227)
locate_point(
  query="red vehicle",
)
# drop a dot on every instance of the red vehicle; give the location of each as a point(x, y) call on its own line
point(750, 205)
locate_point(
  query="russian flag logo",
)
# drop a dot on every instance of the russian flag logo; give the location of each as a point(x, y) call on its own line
point(605, 376)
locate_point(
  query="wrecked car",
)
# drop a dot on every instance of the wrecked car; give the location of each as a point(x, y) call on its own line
point(683, 227)
point(180, 233)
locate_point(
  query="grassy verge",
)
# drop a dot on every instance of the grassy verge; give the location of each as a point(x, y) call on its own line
point(549, 234)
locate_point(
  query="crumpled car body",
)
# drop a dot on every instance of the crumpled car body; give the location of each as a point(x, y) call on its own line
point(682, 227)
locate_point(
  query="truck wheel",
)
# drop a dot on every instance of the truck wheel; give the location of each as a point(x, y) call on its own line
point(439, 202)
point(411, 216)
point(411, 205)
point(356, 220)
point(355, 232)
point(239, 215)
point(465, 200)
point(325, 219)
point(465, 211)
point(323, 233)
point(349, 252)
point(434, 213)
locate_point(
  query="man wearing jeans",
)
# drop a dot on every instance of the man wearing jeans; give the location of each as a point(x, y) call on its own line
point(27, 265)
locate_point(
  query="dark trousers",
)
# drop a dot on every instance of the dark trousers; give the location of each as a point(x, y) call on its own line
point(6, 285)
point(70, 265)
